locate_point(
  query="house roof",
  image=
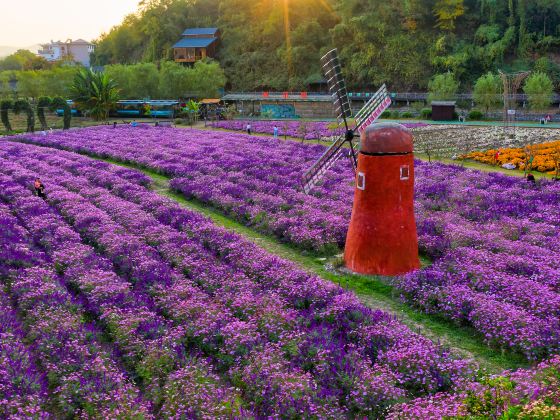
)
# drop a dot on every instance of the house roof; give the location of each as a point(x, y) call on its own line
point(443, 103)
point(194, 42)
point(200, 31)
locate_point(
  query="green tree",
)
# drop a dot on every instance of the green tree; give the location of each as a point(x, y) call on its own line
point(442, 87)
point(539, 90)
point(447, 12)
point(95, 92)
point(59, 103)
point(43, 103)
point(208, 78)
point(23, 60)
point(5, 106)
point(487, 91)
point(175, 80)
point(23, 105)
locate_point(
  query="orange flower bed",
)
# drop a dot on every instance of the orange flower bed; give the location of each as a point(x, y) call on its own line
point(546, 157)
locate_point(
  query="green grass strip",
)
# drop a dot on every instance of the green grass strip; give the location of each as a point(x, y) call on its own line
point(372, 290)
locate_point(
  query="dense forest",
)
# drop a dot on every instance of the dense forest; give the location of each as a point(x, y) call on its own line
point(276, 44)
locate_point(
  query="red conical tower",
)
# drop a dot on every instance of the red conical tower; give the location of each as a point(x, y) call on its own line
point(382, 235)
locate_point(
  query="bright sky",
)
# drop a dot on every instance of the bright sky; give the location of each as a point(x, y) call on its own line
point(27, 22)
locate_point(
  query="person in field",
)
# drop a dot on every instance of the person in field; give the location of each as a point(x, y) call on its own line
point(248, 128)
point(275, 131)
point(531, 177)
point(39, 189)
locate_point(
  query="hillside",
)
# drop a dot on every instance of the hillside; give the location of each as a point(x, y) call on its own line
point(276, 44)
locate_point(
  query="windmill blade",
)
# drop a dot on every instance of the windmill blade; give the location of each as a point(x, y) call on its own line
point(323, 164)
point(337, 86)
point(373, 109)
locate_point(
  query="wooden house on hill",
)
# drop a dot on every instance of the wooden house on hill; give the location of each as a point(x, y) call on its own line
point(196, 44)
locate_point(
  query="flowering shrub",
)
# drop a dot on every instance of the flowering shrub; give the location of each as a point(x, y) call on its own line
point(544, 157)
point(523, 394)
point(494, 239)
point(208, 324)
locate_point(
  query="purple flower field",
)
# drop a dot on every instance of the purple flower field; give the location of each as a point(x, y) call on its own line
point(310, 129)
point(494, 240)
point(138, 308)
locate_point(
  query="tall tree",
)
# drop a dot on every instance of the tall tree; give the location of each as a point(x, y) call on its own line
point(539, 89)
point(487, 91)
point(443, 87)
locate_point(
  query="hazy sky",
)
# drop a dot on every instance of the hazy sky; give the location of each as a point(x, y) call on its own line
point(27, 22)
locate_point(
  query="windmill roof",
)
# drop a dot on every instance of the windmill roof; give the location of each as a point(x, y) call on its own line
point(194, 42)
point(200, 31)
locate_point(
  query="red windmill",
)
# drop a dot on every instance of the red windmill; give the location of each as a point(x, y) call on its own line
point(382, 235)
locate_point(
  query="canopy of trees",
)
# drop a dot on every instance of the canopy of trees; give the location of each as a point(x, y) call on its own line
point(170, 80)
point(276, 44)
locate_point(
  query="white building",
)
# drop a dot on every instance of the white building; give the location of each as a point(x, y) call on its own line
point(79, 51)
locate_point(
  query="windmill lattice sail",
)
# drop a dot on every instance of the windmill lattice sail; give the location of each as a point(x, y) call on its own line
point(373, 109)
point(337, 86)
point(370, 112)
point(323, 164)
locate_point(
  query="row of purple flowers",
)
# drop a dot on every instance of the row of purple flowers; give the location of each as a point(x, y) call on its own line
point(308, 130)
point(283, 342)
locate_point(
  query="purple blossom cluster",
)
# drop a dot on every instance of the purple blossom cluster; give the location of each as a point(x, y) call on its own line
point(206, 323)
point(494, 239)
point(529, 393)
point(310, 130)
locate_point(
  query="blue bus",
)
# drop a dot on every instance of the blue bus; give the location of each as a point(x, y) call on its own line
point(75, 111)
point(136, 108)
point(146, 108)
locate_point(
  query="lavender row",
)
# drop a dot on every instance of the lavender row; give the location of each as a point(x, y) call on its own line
point(308, 130)
point(23, 390)
point(84, 379)
point(417, 349)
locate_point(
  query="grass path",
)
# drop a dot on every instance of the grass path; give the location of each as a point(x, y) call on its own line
point(371, 290)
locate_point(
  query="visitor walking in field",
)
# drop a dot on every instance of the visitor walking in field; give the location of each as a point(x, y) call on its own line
point(39, 189)
point(248, 128)
point(531, 177)
point(275, 132)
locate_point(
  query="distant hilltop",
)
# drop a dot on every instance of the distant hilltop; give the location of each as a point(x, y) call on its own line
point(6, 51)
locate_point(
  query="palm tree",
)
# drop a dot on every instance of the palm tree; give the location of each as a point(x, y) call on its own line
point(191, 109)
point(95, 93)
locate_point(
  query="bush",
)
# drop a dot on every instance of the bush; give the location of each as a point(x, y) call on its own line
point(475, 114)
point(407, 115)
point(386, 114)
point(426, 113)
point(179, 121)
point(395, 114)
